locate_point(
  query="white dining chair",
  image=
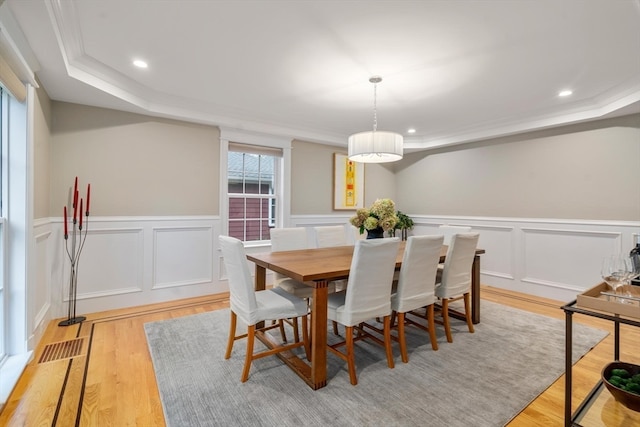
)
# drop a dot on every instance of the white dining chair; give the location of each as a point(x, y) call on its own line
point(253, 306)
point(453, 282)
point(368, 296)
point(291, 239)
point(449, 230)
point(330, 235)
point(415, 288)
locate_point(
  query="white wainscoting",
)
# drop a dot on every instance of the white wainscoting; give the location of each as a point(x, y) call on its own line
point(552, 258)
point(129, 261)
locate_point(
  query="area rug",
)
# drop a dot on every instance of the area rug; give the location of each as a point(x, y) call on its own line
point(481, 379)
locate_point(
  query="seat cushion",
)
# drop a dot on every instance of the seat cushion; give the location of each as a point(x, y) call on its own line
point(273, 304)
point(301, 290)
point(336, 311)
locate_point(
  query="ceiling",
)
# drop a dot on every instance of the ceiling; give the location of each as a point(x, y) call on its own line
point(455, 71)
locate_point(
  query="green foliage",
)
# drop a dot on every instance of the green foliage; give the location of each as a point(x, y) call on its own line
point(622, 379)
point(404, 221)
point(622, 373)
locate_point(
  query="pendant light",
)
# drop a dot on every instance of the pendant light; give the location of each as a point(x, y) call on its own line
point(375, 146)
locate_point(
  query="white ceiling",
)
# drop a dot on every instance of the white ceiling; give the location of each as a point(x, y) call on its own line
point(456, 71)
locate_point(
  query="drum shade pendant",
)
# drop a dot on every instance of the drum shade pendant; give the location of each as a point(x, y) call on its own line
point(375, 146)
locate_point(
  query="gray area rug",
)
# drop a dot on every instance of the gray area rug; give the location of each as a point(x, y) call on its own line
point(481, 379)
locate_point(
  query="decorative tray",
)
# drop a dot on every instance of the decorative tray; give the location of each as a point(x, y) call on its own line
point(602, 298)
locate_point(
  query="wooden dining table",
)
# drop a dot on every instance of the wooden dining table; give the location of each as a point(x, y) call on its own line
point(318, 267)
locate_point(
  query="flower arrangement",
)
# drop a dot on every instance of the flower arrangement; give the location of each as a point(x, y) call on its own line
point(382, 214)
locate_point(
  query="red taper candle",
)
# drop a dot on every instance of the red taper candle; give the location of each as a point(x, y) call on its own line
point(75, 207)
point(66, 232)
point(88, 197)
point(80, 214)
point(75, 193)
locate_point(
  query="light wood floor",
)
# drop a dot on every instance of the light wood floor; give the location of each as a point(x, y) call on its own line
point(111, 382)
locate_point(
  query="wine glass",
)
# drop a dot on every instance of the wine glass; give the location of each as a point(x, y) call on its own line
point(615, 271)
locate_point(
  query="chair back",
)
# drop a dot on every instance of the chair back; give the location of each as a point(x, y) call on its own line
point(369, 286)
point(449, 230)
point(330, 235)
point(456, 274)
point(417, 279)
point(241, 289)
point(287, 239)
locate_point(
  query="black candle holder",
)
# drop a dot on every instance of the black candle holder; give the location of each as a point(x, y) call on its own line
point(77, 244)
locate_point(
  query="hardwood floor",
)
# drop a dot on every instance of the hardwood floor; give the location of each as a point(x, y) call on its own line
point(110, 380)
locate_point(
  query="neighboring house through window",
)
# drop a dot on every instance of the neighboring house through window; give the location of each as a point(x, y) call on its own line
point(254, 184)
point(252, 193)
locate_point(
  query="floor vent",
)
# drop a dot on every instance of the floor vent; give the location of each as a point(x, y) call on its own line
point(61, 350)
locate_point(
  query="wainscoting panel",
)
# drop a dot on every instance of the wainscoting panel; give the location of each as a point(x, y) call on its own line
point(130, 261)
point(110, 262)
point(565, 258)
point(182, 256)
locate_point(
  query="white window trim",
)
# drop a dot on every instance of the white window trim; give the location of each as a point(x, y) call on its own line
point(19, 242)
point(283, 190)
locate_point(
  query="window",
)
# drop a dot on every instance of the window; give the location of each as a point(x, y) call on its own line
point(252, 191)
point(3, 322)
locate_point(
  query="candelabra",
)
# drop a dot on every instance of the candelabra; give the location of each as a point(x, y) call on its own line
point(76, 241)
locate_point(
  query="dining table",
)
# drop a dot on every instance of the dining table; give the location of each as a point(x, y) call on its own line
point(316, 268)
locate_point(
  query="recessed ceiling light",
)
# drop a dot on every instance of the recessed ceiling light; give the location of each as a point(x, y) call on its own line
point(411, 130)
point(565, 92)
point(140, 63)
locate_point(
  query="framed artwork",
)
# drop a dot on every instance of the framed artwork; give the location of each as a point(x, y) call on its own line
point(348, 183)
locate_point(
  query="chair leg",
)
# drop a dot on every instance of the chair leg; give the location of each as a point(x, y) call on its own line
point(296, 333)
point(432, 327)
point(393, 318)
point(445, 319)
point(335, 328)
point(467, 312)
point(282, 333)
point(351, 362)
point(387, 341)
point(402, 339)
point(232, 334)
point(249, 356)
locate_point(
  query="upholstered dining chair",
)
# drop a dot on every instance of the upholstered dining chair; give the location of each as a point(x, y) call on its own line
point(330, 235)
point(415, 288)
point(368, 296)
point(449, 230)
point(291, 239)
point(253, 306)
point(453, 282)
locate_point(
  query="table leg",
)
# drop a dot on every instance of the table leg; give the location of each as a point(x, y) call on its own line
point(319, 335)
point(475, 290)
point(568, 357)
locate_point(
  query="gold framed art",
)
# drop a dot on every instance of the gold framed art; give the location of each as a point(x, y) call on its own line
point(348, 183)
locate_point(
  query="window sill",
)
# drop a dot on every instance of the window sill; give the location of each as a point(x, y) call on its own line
point(10, 372)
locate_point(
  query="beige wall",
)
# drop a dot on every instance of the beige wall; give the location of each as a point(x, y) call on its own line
point(312, 179)
point(137, 165)
point(41, 165)
point(588, 171)
point(140, 165)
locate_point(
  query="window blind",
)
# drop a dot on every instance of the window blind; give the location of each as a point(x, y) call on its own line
point(255, 149)
point(10, 81)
